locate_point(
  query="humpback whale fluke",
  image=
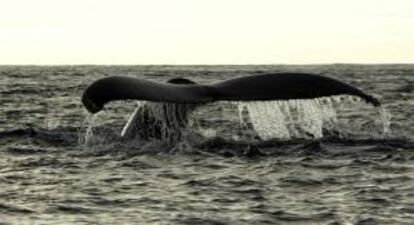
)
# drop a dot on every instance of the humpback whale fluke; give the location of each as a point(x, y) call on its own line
point(277, 86)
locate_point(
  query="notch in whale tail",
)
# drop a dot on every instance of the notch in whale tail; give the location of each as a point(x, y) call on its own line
point(281, 86)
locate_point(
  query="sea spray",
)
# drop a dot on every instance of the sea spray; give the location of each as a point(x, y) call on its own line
point(96, 130)
point(88, 124)
point(385, 118)
point(52, 121)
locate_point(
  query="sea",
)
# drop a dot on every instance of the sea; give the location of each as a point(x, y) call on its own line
point(61, 165)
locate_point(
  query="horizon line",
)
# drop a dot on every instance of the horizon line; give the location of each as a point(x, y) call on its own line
point(211, 64)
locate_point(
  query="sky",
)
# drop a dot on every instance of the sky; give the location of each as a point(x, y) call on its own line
point(50, 32)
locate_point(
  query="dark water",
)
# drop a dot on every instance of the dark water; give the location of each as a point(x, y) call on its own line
point(48, 175)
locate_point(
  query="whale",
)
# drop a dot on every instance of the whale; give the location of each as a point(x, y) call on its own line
point(266, 87)
point(178, 97)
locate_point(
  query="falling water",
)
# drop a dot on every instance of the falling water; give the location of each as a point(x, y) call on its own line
point(129, 125)
point(89, 124)
point(165, 121)
point(303, 118)
point(385, 118)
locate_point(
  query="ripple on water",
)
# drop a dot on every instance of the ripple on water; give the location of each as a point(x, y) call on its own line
point(290, 216)
point(13, 209)
point(72, 209)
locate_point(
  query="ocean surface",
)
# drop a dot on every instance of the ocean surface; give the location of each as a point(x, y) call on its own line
point(60, 165)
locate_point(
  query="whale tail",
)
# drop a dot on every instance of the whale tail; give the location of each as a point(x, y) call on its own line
point(282, 86)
